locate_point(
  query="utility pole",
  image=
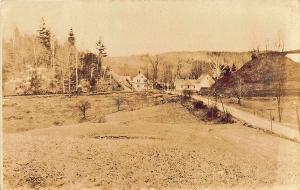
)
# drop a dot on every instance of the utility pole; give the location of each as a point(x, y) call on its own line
point(271, 119)
point(110, 71)
point(298, 119)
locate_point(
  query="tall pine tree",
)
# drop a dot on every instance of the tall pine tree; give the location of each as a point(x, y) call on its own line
point(44, 36)
point(233, 68)
point(101, 53)
point(72, 58)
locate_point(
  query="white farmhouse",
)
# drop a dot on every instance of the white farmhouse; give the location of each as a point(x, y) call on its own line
point(204, 81)
point(140, 82)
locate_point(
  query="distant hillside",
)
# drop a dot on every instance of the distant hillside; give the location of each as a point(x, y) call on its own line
point(130, 65)
point(263, 75)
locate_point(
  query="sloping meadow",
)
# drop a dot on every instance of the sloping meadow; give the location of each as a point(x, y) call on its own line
point(22, 113)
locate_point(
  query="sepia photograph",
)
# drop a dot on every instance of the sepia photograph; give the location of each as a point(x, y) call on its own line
point(150, 94)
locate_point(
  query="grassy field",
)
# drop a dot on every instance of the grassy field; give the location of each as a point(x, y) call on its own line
point(24, 113)
point(158, 146)
point(259, 106)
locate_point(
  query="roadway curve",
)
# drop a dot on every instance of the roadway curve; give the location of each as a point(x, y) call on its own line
point(256, 121)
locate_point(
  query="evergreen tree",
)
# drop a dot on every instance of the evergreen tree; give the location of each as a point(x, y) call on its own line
point(72, 58)
point(44, 35)
point(233, 68)
point(225, 71)
point(101, 53)
point(71, 38)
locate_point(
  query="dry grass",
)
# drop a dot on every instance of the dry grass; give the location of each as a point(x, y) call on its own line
point(258, 106)
point(161, 147)
point(27, 113)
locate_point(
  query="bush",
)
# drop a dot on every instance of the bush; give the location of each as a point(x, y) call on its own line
point(226, 118)
point(199, 105)
point(35, 84)
point(119, 101)
point(212, 113)
point(83, 105)
point(187, 93)
point(101, 119)
point(173, 99)
point(57, 123)
point(184, 99)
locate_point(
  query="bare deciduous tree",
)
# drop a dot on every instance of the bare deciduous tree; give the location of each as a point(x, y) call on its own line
point(215, 66)
point(238, 90)
point(279, 87)
point(118, 101)
point(167, 73)
point(179, 67)
point(196, 69)
point(155, 62)
point(83, 106)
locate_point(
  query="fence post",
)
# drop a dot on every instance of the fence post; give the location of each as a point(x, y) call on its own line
point(271, 118)
point(298, 119)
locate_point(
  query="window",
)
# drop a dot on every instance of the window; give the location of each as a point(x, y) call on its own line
point(145, 80)
point(138, 80)
point(138, 86)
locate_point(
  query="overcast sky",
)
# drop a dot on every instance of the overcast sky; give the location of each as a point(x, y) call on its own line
point(135, 27)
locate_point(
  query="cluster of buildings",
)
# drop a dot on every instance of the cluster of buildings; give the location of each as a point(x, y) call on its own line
point(141, 83)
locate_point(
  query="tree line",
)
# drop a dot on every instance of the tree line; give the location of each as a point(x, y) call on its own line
point(44, 65)
point(161, 71)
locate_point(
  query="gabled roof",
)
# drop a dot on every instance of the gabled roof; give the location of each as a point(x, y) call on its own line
point(140, 75)
point(205, 77)
point(206, 80)
point(125, 77)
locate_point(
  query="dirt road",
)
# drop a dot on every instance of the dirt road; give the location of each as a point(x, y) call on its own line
point(257, 121)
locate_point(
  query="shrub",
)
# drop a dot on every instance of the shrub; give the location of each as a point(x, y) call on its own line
point(57, 123)
point(83, 105)
point(119, 101)
point(101, 119)
point(199, 105)
point(226, 118)
point(212, 113)
point(187, 93)
point(35, 84)
point(184, 99)
point(173, 99)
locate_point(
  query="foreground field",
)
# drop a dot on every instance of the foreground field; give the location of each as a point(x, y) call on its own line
point(162, 147)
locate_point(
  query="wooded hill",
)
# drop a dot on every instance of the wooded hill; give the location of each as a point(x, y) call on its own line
point(266, 74)
point(187, 64)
